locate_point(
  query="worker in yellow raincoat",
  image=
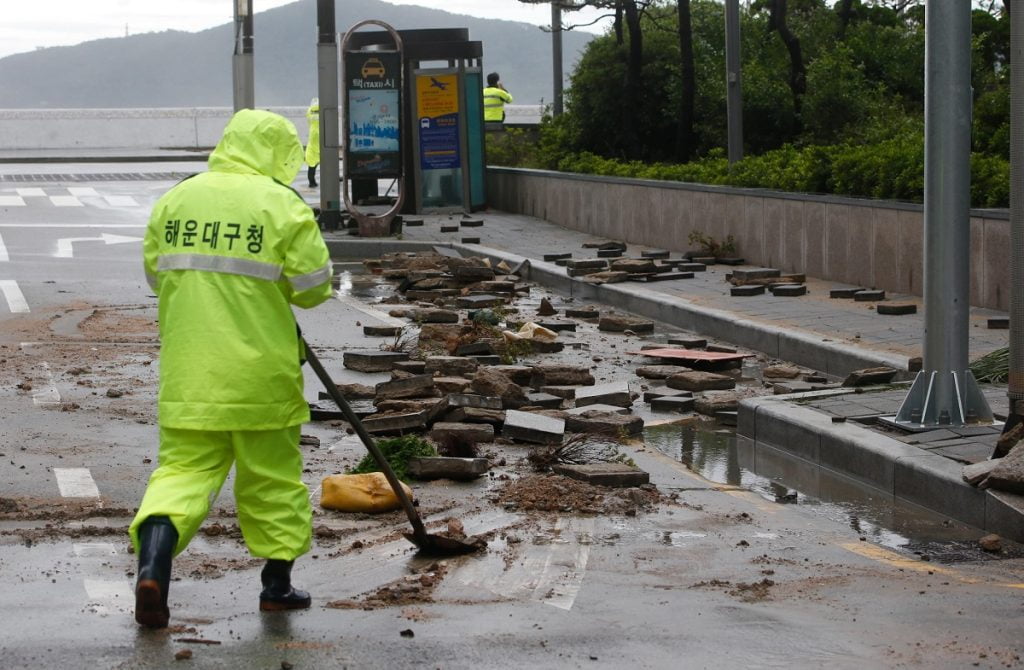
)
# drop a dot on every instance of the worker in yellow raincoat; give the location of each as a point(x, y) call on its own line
point(313, 143)
point(227, 252)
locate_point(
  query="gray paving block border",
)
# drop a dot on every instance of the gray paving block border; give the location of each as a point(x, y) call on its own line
point(906, 472)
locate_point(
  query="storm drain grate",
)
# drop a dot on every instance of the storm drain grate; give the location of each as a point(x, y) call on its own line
point(95, 176)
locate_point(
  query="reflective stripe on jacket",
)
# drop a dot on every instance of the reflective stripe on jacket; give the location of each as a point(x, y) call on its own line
point(494, 103)
point(227, 251)
point(313, 143)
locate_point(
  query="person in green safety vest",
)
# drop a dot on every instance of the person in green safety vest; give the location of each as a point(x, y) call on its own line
point(228, 252)
point(313, 143)
point(495, 99)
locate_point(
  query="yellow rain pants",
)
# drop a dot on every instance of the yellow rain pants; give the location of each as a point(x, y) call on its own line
point(273, 504)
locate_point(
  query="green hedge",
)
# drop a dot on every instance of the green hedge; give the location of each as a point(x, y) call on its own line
point(889, 170)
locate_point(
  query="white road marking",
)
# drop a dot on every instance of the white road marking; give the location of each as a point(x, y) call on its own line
point(47, 396)
point(106, 591)
point(65, 201)
point(92, 549)
point(76, 483)
point(65, 249)
point(375, 313)
point(11, 201)
point(31, 192)
point(72, 225)
point(3, 251)
point(80, 191)
point(15, 298)
point(120, 201)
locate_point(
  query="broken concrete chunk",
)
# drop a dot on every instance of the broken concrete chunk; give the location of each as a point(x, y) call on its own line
point(659, 371)
point(665, 392)
point(381, 331)
point(395, 424)
point(433, 316)
point(634, 266)
point(472, 400)
point(688, 342)
point(603, 409)
point(713, 402)
point(404, 405)
point(601, 277)
point(534, 428)
point(618, 324)
point(616, 475)
point(868, 376)
point(471, 273)
point(545, 400)
point(747, 290)
point(452, 384)
point(479, 301)
point(583, 313)
point(495, 417)
point(975, 473)
point(545, 308)
point(552, 374)
point(479, 348)
point(373, 361)
point(695, 380)
point(896, 308)
point(677, 404)
point(742, 275)
point(1008, 473)
point(564, 392)
point(870, 295)
point(489, 382)
point(789, 290)
point(470, 432)
point(450, 366)
point(519, 374)
point(613, 393)
point(781, 371)
point(353, 392)
point(446, 467)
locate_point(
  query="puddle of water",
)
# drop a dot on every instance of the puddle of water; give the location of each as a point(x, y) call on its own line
point(350, 280)
point(721, 457)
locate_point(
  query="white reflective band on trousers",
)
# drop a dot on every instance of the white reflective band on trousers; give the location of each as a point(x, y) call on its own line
point(238, 266)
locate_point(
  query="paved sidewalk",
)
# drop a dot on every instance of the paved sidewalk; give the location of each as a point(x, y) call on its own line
point(814, 316)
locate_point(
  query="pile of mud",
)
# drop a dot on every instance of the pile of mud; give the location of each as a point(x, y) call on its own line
point(555, 493)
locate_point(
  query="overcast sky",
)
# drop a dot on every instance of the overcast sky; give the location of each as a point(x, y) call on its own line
point(28, 24)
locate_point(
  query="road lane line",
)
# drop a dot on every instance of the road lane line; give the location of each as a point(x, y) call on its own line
point(94, 549)
point(47, 396)
point(105, 591)
point(563, 572)
point(3, 252)
point(83, 191)
point(375, 313)
point(895, 560)
point(15, 298)
point(76, 483)
point(11, 201)
point(31, 192)
point(65, 201)
point(121, 201)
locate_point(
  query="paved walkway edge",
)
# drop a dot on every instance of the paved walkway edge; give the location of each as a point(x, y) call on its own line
point(902, 471)
point(832, 358)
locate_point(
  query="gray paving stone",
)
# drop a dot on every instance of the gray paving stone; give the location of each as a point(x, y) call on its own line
point(479, 301)
point(450, 366)
point(395, 424)
point(744, 274)
point(665, 392)
point(969, 452)
point(748, 290)
point(869, 295)
point(695, 380)
point(608, 409)
point(381, 331)
point(474, 400)
point(688, 342)
point(372, 361)
point(614, 475)
point(446, 467)
point(416, 386)
point(533, 428)
point(471, 432)
point(545, 400)
point(677, 404)
point(612, 393)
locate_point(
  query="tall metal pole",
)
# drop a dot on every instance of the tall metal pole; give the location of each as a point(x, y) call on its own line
point(243, 82)
point(945, 392)
point(327, 91)
point(1015, 392)
point(556, 55)
point(733, 88)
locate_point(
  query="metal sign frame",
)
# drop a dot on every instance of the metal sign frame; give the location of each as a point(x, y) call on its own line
point(372, 225)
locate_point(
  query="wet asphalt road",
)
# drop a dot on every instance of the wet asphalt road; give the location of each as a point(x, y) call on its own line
point(725, 578)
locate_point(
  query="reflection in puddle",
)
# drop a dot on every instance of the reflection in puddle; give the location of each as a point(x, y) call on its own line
point(875, 515)
point(349, 280)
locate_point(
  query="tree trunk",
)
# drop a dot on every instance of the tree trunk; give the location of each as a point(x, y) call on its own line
point(632, 86)
point(845, 11)
point(687, 94)
point(618, 23)
point(797, 73)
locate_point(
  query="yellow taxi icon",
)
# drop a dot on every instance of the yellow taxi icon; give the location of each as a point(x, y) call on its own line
point(372, 67)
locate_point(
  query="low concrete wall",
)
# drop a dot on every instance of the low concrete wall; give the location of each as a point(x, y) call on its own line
point(870, 243)
point(166, 128)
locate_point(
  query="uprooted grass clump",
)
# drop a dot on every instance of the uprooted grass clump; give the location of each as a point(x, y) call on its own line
point(398, 451)
point(579, 449)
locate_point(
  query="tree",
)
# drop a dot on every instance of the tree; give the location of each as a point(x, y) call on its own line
point(688, 83)
point(797, 72)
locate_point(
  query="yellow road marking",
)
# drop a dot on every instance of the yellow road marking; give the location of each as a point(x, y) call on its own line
point(892, 558)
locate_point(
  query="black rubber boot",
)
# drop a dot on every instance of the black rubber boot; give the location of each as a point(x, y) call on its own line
point(311, 172)
point(278, 593)
point(157, 540)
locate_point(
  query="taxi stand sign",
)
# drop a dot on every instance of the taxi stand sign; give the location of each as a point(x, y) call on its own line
point(372, 81)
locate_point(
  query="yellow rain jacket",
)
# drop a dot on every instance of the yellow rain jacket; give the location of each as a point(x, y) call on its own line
point(227, 251)
point(494, 103)
point(313, 144)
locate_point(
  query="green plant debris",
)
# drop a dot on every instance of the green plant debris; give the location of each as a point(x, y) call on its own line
point(993, 367)
point(397, 451)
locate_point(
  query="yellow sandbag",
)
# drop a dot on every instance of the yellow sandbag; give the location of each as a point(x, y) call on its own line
point(368, 492)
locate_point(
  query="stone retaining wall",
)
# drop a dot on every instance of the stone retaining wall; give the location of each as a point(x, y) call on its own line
point(870, 243)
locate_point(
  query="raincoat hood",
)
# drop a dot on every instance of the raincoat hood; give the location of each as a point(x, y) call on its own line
point(259, 142)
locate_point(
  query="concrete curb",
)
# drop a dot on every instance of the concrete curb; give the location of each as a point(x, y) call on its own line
point(903, 471)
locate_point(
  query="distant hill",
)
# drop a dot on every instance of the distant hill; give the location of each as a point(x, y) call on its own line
point(181, 69)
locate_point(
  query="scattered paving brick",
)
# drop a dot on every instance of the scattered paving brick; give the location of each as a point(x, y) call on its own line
point(789, 290)
point(695, 380)
point(748, 290)
point(471, 240)
point(490, 382)
point(447, 467)
point(471, 223)
point(416, 386)
point(659, 371)
point(634, 266)
point(495, 417)
point(999, 322)
point(474, 400)
point(600, 422)
point(452, 384)
point(583, 313)
point(691, 267)
point(373, 361)
point(450, 366)
point(747, 274)
point(665, 392)
point(713, 402)
point(618, 324)
point(605, 409)
point(545, 400)
point(845, 293)
point(666, 276)
point(518, 374)
point(689, 342)
point(613, 475)
point(608, 277)
point(781, 371)
point(479, 301)
point(869, 295)
point(896, 308)
point(654, 253)
point(412, 367)
point(472, 432)
point(564, 392)
point(395, 424)
point(609, 253)
point(676, 404)
point(381, 331)
point(478, 348)
point(731, 260)
point(612, 393)
point(434, 316)
point(595, 264)
point(551, 258)
point(869, 376)
point(720, 348)
point(531, 427)
point(449, 229)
